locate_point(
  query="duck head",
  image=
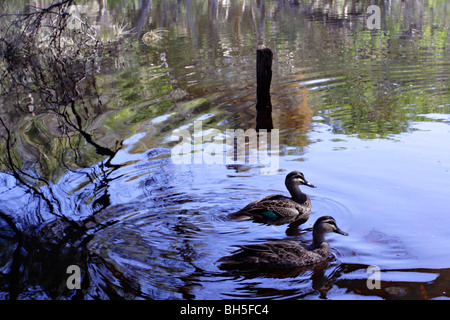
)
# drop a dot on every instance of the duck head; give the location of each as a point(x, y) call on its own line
point(327, 224)
point(297, 178)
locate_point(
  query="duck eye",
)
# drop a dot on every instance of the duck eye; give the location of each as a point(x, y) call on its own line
point(332, 222)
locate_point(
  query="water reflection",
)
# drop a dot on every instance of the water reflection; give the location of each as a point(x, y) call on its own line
point(87, 177)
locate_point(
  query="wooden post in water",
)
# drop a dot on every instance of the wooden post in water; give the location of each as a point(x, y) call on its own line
point(264, 59)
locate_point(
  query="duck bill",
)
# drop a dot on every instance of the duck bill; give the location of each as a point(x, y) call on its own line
point(309, 184)
point(341, 232)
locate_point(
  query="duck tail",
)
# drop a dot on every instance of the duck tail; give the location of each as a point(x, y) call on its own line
point(227, 262)
point(232, 262)
point(238, 260)
point(239, 216)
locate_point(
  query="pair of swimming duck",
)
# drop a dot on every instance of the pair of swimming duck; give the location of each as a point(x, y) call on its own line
point(283, 253)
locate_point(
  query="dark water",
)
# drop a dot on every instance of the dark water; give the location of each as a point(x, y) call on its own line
point(364, 114)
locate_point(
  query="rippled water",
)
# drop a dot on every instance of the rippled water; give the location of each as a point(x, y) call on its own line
point(363, 114)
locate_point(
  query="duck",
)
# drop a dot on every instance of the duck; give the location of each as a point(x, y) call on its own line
point(277, 207)
point(284, 253)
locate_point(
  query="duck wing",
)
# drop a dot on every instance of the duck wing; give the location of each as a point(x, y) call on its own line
point(279, 254)
point(276, 197)
point(270, 207)
point(274, 247)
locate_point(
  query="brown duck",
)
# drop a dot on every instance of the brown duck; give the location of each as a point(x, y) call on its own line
point(284, 253)
point(279, 207)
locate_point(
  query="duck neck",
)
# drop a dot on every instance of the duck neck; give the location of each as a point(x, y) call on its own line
point(297, 194)
point(318, 239)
